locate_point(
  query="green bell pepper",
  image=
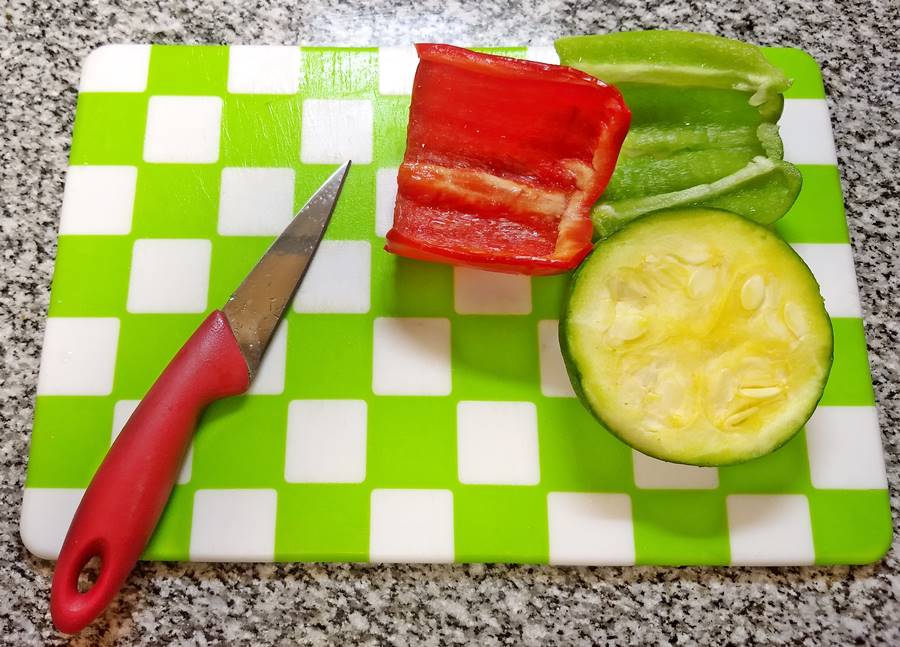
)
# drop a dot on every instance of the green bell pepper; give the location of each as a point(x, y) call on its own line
point(703, 129)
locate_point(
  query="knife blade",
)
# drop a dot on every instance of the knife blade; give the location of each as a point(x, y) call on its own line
point(255, 308)
point(124, 501)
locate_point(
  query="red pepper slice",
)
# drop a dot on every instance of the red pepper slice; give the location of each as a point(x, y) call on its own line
point(504, 158)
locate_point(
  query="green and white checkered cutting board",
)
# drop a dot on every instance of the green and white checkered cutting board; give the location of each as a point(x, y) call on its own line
point(405, 411)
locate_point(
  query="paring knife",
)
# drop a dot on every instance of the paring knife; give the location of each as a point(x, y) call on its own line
point(126, 497)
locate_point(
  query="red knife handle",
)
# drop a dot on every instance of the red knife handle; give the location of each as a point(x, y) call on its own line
point(126, 497)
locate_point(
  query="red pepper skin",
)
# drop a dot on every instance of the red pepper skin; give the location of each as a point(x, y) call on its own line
point(504, 159)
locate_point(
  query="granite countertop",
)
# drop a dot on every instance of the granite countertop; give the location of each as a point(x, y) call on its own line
point(41, 45)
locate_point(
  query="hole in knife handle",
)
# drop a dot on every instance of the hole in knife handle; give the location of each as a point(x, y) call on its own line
point(89, 573)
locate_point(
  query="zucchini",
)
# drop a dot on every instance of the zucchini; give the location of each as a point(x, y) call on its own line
point(697, 336)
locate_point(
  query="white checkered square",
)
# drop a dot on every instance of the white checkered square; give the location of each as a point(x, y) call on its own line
point(269, 378)
point(845, 451)
point(805, 129)
point(233, 525)
point(411, 356)
point(116, 68)
point(490, 293)
point(554, 377)
point(542, 54)
point(590, 528)
point(832, 265)
point(385, 199)
point(497, 443)
point(411, 526)
point(336, 130)
point(338, 280)
point(255, 201)
point(264, 69)
point(79, 356)
point(396, 69)
point(183, 130)
point(169, 275)
point(653, 474)
point(98, 200)
point(46, 516)
point(326, 441)
point(770, 529)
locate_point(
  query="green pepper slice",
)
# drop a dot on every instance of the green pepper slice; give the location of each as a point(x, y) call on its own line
point(704, 112)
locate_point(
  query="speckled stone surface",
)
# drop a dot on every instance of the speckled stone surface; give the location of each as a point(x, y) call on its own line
point(41, 45)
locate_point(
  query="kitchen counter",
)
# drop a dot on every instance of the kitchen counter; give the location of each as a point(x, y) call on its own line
point(41, 46)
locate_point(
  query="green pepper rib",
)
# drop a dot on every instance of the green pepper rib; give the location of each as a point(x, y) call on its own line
point(609, 217)
point(659, 140)
point(762, 88)
point(770, 139)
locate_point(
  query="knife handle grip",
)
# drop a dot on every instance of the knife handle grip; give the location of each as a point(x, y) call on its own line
point(126, 497)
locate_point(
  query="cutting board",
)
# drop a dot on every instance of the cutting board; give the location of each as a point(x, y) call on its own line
point(405, 411)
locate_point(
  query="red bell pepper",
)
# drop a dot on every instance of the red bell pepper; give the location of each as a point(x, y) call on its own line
point(504, 158)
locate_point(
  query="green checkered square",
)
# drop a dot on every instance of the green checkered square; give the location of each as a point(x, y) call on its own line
point(109, 128)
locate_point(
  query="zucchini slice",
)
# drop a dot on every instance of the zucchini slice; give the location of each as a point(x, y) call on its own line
point(697, 336)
